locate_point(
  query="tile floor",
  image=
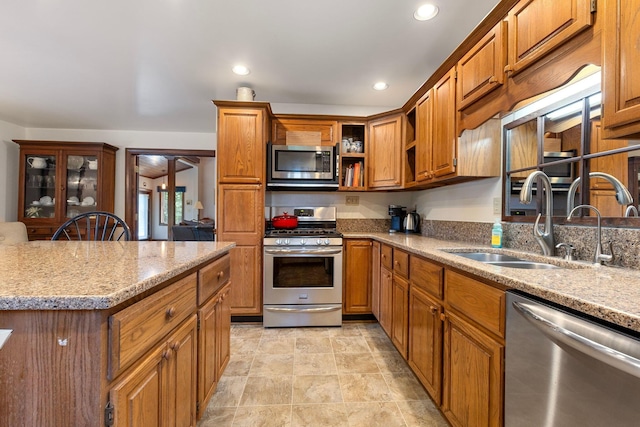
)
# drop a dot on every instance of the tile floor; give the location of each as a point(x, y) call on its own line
point(349, 376)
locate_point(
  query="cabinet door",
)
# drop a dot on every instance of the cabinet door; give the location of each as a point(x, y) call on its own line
point(246, 294)
point(357, 277)
point(183, 371)
point(207, 367)
point(241, 145)
point(481, 70)
point(385, 151)
point(223, 331)
point(39, 178)
point(305, 132)
point(444, 140)
point(241, 213)
point(375, 279)
point(386, 289)
point(425, 341)
point(400, 315)
point(537, 27)
point(621, 62)
point(473, 366)
point(424, 137)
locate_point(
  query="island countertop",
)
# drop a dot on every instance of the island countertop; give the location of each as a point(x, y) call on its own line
point(64, 275)
point(608, 293)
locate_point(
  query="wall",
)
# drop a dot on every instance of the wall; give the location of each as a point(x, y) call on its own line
point(9, 155)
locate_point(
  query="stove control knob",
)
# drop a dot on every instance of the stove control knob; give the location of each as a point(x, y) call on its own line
point(326, 241)
point(303, 241)
point(278, 242)
point(287, 241)
point(318, 242)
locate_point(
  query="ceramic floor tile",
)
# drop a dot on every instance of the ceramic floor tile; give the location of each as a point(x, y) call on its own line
point(239, 365)
point(272, 365)
point(356, 363)
point(274, 390)
point(314, 364)
point(391, 361)
point(323, 415)
point(371, 414)
point(247, 331)
point(405, 386)
point(378, 344)
point(276, 345)
point(217, 417)
point(244, 346)
point(313, 345)
point(342, 344)
point(281, 332)
point(263, 416)
point(316, 389)
point(316, 332)
point(228, 392)
point(364, 388)
point(347, 330)
point(421, 413)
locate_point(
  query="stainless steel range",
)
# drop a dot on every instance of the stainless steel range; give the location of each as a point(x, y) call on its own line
point(303, 270)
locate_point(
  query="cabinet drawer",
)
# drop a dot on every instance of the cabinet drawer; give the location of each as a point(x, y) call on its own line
point(213, 277)
point(41, 233)
point(426, 276)
point(401, 263)
point(478, 301)
point(137, 328)
point(386, 256)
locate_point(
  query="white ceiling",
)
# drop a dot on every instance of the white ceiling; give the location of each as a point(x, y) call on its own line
point(157, 64)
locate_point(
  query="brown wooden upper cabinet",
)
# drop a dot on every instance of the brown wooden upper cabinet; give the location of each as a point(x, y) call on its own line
point(443, 153)
point(241, 156)
point(621, 86)
point(423, 137)
point(537, 27)
point(305, 132)
point(385, 152)
point(481, 70)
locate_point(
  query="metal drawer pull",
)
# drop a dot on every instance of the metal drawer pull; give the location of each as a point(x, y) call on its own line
point(303, 310)
point(558, 334)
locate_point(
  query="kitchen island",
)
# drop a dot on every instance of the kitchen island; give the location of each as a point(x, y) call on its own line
point(108, 331)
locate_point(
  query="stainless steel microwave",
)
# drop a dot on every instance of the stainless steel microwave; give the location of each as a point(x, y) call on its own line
point(291, 167)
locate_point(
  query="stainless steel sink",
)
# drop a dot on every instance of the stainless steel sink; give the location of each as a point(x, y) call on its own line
point(486, 256)
point(530, 265)
point(501, 260)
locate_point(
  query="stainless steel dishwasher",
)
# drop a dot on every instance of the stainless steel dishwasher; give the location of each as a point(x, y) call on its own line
point(565, 370)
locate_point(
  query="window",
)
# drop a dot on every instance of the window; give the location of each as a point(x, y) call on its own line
point(164, 206)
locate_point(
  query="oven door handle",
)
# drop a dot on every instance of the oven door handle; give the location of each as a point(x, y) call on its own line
point(304, 310)
point(303, 252)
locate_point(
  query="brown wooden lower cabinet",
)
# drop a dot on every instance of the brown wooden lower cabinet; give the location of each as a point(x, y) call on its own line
point(400, 315)
point(425, 341)
point(357, 277)
point(160, 389)
point(473, 369)
point(386, 290)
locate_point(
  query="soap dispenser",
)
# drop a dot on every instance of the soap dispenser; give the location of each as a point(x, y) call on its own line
point(496, 235)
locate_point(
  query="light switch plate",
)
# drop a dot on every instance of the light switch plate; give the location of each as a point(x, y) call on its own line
point(353, 200)
point(497, 206)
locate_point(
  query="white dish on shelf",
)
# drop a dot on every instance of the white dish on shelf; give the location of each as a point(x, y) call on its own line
point(36, 203)
point(88, 201)
point(45, 200)
point(75, 162)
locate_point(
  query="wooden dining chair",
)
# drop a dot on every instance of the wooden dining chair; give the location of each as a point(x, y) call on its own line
point(93, 226)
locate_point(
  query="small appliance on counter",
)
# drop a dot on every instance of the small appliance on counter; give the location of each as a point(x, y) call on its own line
point(411, 222)
point(398, 214)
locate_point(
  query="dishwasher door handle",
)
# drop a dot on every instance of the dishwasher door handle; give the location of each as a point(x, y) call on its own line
point(596, 350)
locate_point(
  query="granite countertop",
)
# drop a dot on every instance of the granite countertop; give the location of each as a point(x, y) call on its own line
point(61, 275)
point(608, 293)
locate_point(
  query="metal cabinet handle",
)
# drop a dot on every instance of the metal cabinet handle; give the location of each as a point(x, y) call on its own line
point(171, 311)
point(560, 335)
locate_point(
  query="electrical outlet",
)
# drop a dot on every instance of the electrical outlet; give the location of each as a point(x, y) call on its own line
point(353, 200)
point(497, 206)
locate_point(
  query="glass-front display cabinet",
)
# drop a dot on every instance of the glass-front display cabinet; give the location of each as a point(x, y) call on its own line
point(59, 180)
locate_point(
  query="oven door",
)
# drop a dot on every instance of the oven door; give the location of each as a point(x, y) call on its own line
point(310, 275)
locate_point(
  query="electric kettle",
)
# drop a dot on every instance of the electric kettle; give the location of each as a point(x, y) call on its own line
point(411, 222)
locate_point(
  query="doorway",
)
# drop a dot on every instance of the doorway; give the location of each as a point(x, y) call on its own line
point(132, 177)
point(144, 216)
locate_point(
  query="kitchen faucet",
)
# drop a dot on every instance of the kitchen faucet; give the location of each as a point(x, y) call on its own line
point(543, 237)
point(631, 211)
point(598, 257)
point(622, 194)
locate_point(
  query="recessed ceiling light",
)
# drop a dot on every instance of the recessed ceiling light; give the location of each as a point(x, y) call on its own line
point(241, 70)
point(425, 12)
point(380, 86)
